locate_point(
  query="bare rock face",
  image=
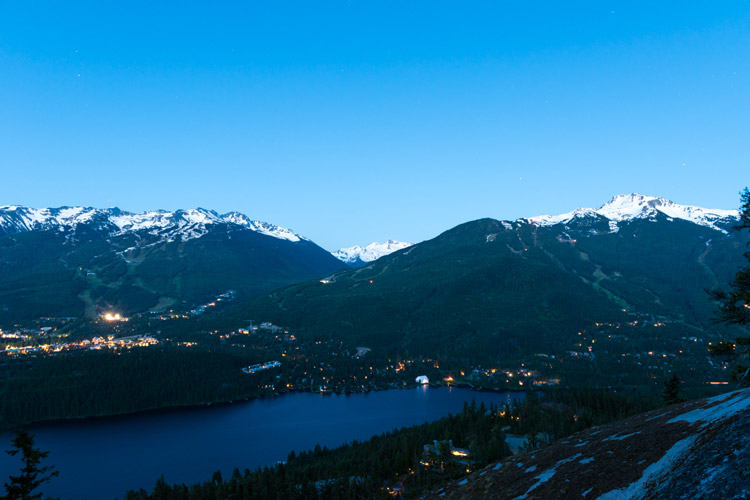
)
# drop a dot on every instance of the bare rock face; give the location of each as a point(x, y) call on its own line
point(695, 450)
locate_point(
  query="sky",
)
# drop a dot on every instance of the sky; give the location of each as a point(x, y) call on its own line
point(356, 121)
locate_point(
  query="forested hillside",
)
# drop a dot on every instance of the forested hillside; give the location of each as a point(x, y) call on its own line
point(85, 264)
point(489, 289)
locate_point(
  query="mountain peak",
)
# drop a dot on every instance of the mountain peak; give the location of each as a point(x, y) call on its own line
point(181, 224)
point(368, 253)
point(635, 204)
point(625, 207)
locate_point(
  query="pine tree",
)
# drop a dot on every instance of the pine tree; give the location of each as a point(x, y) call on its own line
point(734, 306)
point(672, 390)
point(32, 476)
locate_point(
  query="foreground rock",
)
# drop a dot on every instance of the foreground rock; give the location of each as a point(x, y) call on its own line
point(696, 450)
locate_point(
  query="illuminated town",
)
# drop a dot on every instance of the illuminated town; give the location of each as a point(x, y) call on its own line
point(331, 366)
point(93, 344)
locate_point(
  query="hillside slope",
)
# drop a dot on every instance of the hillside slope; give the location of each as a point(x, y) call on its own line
point(488, 289)
point(78, 261)
point(696, 450)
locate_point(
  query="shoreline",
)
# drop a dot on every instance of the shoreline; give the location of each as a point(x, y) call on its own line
point(199, 406)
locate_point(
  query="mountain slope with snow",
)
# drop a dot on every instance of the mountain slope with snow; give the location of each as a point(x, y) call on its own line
point(179, 225)
point(75, 261)
point(358, 255)
point(626, 207)
point(489, 289)
point(694, 450)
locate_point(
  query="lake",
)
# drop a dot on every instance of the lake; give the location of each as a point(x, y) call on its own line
point(103, 458)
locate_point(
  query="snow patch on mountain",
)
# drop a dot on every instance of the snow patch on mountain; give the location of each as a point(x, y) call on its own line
point(180, 225)
point(19, 219)
point(627, 207)
point(639, 488)
point(370, 252)
point(719, 408)
point(697, 449)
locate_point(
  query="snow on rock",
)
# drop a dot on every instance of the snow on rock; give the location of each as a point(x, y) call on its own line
point(697, 449)
point(262, 227)
point(541, 478)
point(544, 476)
point(370, 252)
point(625, 207)
point(719, 408)
point(620, 437)
point(19, 219)
point(180, 225)
point(653, 472)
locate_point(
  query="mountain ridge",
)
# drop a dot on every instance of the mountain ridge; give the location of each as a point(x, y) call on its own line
point(490, 291)
point(189, 224)
point(625, 207)
point(76, 261)
point(620, 208)
point(358, 255)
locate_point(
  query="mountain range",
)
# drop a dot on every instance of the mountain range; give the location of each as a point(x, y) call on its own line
point(76, 261)
point(357, 256)
point(488, 286)
point(495, 289)
point(181, 225)
point(626, 207)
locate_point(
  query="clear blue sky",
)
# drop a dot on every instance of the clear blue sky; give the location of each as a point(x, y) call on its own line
point(358, 121)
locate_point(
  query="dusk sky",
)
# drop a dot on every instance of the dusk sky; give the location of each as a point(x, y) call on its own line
point(352, 122)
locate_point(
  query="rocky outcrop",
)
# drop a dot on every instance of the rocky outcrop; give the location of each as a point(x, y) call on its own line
point(695, 450)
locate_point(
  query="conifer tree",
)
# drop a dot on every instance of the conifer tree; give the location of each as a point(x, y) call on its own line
point(32, 475)
point(734, 306)
point(672, 390)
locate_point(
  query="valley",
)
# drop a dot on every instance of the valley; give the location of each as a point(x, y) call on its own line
point(98, 357)
point(374, 250)
point(549, 305)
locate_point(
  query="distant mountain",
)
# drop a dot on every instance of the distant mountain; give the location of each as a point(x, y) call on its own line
point(72, 261)
point(626, 207)
point(693, 450)
point(181, 225)
point(357, 256)
point(489, 289)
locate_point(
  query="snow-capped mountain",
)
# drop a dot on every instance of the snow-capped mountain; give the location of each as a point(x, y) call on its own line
point(358, 255)
point(74, 261)
point(180, 225)
point(626, 207)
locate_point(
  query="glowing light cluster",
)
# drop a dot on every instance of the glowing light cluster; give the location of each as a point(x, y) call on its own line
point(113, 317)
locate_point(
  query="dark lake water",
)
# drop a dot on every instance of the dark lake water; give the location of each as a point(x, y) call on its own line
point(103, 458)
